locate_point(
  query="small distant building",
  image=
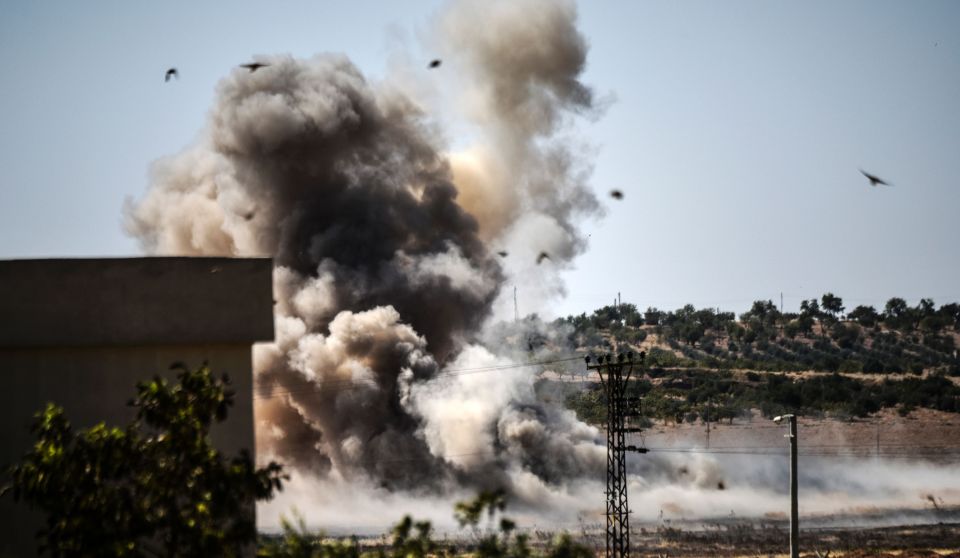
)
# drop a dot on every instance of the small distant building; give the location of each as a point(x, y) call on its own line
point(82, 332)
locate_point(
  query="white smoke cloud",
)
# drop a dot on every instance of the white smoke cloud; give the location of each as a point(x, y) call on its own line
point(384, 243)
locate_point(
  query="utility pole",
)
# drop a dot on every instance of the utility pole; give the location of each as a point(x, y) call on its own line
point(878, 439)
point(614, 375)
point(794, 508)
point(708, 432)
point(781, 312)
point(708, 423)
point(516, 313)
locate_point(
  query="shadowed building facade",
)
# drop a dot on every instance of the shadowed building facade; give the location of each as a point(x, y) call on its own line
point(82, 332)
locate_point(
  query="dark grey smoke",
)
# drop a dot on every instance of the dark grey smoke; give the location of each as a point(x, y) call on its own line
point(385, 271)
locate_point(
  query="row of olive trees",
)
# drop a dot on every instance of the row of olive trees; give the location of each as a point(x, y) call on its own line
point(765, 321)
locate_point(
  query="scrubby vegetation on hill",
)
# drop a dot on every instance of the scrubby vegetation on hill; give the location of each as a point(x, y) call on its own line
point(820, 337)
point(693, 394)
point(703, 364)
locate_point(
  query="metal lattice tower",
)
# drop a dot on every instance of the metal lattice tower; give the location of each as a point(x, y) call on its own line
point(614, 375)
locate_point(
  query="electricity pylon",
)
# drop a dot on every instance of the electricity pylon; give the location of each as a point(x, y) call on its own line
point(614, 375)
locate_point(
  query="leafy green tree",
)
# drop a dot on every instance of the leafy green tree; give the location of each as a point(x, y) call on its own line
point(652, 316)
point(565, 547)
point(933, 323)
point(629, 313)
point(724, 320)
point(492, 545)
point(951, 313)
point(469, 513)
point(846, 336)
point(929, 320)
point(832, 304)
point(578, 322)
point(792, 329)
point(866, 316)
point(810, 312)
point(155, 487)
point(691, 332)
point(925, 308)
point(735, 331)
point(762, 315)
point(897, 315)
point(407, 544)
point(895, 307)
point(940, 343)
point(810, 308)
point(607, 316)
point(707, 318)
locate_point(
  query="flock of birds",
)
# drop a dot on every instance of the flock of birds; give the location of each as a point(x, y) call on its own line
point(254, 66)
point(435, 63)
point(615, 194)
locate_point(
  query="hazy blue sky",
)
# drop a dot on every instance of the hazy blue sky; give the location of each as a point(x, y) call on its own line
point(736, 134)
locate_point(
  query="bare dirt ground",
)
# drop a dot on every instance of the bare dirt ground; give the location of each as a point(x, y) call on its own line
point(773, 540)
point(770, 538)
point(741, 538)
point(927, 529)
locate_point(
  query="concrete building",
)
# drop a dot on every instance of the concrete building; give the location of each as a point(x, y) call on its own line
point(82, 332)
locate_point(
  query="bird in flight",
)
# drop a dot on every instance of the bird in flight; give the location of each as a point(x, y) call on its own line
point(171, 73)
point(502, 253)
point(254, 66)
point(874, 180)
point(542, 256)
point(435, 63)
point(616, 194)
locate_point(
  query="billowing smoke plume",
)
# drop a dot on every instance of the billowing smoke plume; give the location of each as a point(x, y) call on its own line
point(385, 242)
point(386, 246)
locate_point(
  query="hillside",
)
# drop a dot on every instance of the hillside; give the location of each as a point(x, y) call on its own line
point(703, 364)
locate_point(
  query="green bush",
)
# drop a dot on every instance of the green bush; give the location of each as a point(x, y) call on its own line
point(850, 366)
point(154, 487)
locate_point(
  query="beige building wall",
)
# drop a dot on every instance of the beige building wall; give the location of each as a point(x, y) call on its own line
point(82, 333)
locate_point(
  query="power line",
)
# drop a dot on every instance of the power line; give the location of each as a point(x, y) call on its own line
point(953, 451)
point(857, 447)
point(819, 450)
point(425, 459)
point(347, 384)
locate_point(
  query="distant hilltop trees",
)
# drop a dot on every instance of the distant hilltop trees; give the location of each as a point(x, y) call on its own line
point(708, 365)
point(821, 337)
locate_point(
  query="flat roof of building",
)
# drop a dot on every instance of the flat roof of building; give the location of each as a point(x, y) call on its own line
point(135, 301)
